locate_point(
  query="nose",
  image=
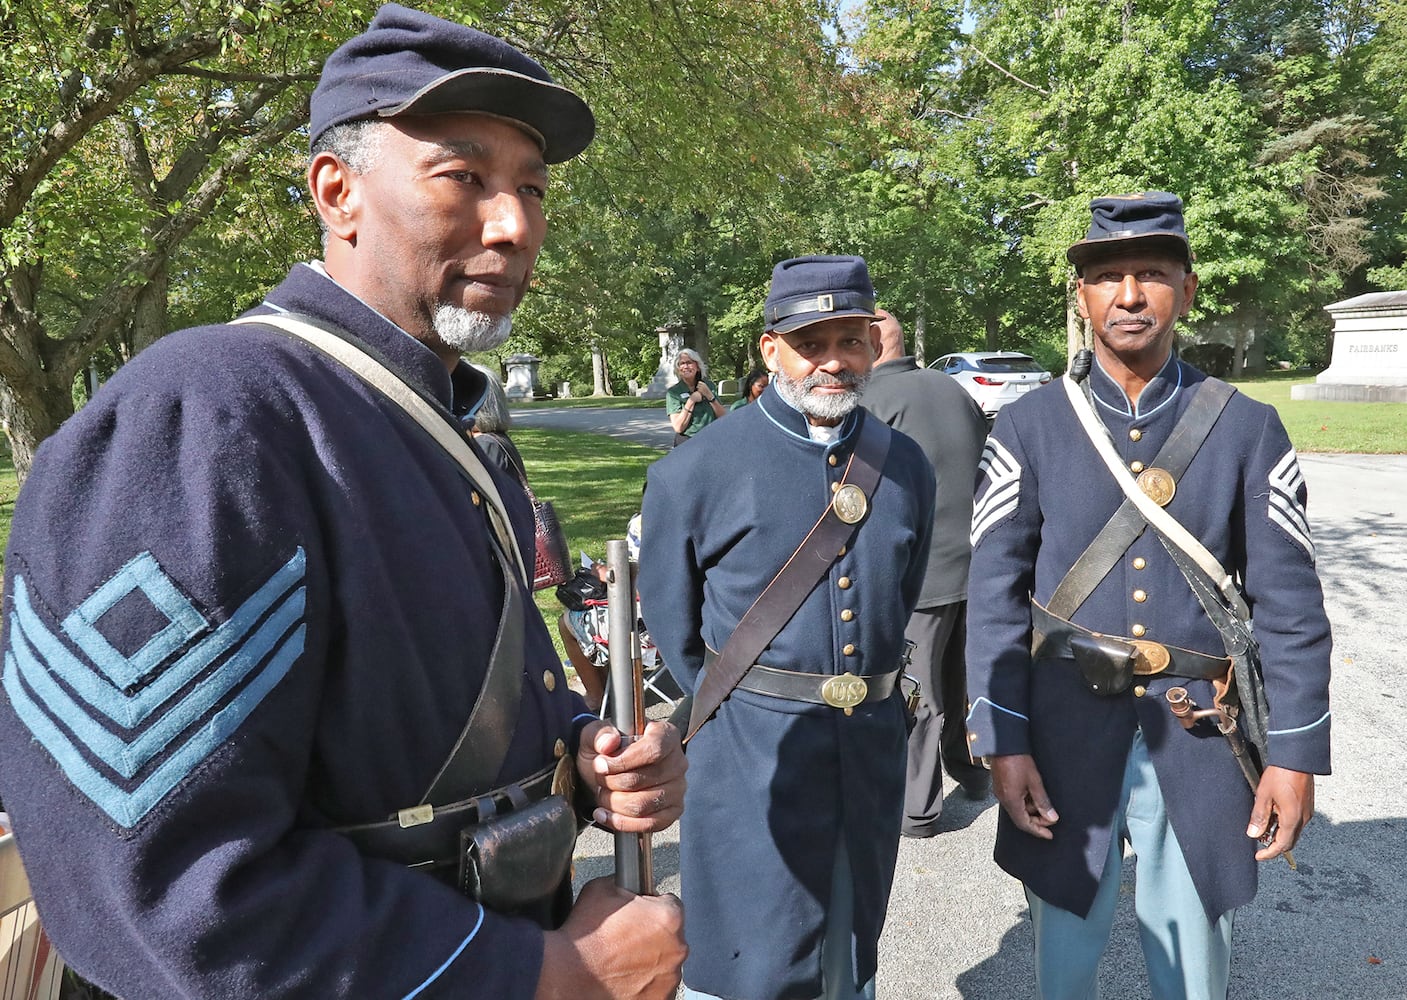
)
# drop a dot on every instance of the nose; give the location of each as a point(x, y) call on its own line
point(505, 220)
point(1130, 295)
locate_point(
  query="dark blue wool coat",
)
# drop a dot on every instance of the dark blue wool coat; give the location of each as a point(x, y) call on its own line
point(773, 783)
point(1043, 494)
point(247, 601)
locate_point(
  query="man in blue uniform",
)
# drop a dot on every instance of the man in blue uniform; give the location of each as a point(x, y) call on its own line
point(791, 826)
point(250, 605)
point(949, 426)
point(1084, 755)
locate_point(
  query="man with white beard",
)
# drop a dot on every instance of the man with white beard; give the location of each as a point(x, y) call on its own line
point(796, 784)
point(280, 718)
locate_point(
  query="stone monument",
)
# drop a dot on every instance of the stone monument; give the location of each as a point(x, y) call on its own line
point(1369, 364)
point(671, 339)
point(522, 377)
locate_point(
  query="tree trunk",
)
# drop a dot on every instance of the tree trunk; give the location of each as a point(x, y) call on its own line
point(921, 328)
point(1076, 333)
point(992, 324)
point(600, 375)
point(31, 411)
point(149, 311)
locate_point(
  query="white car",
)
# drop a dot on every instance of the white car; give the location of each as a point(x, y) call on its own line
point(993, 378)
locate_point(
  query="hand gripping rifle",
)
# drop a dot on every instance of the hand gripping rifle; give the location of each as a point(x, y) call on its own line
point(633, 860)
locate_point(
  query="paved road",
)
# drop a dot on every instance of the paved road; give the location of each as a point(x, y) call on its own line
point(958, 927)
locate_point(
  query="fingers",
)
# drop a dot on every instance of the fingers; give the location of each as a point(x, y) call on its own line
point(1018, 787)
point(1284, 804)
point(639, 781)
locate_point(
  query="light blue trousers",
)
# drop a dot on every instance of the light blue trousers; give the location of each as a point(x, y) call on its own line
point(1188, 957)
point(837, 949)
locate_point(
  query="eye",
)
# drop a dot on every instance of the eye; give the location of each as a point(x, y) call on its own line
point(533, 191)
point(461, 176)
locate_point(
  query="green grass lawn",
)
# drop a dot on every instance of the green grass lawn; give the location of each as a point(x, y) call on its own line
point(1369, 428)
point(594, 483)
point(9, 486)
point(604, 402)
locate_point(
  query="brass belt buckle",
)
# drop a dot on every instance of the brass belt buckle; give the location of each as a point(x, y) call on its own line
point(845, 691)
point(1150, 658)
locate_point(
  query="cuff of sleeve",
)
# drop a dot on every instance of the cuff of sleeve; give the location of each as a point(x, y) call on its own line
point(996, 731)
point(1304, 748)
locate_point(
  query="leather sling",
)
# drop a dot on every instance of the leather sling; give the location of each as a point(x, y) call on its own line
point(798, 576)
point(1127, 524)
point(473, 765)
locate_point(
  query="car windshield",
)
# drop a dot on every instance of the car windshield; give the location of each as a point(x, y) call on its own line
point(1015, 363)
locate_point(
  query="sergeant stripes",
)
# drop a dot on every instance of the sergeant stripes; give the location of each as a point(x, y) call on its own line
point(1285, 508)
point(1003, 489)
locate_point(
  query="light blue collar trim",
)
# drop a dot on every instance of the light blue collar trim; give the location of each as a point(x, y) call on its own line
point(1132, 409)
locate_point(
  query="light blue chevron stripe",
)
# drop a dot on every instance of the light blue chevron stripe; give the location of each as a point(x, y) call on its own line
point(144, 574)
point(128, 807)
point(130, 712)
point(128, 758)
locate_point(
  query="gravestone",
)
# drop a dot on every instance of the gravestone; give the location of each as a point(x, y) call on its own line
point(671, 340)
point(1369, 363)
point(522, 376)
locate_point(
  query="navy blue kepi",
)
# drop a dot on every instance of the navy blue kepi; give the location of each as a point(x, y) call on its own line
point(1118, 222)
point(807, 290)
point(411, 63)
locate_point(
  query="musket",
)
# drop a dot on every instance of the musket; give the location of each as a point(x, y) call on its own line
point(634, 868)
point(1185, 710)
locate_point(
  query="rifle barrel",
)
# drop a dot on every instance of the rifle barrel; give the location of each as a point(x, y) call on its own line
point(633, 856)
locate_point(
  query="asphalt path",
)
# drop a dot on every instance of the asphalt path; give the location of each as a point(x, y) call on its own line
point(958, 927)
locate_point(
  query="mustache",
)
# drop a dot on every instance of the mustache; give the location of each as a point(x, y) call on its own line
point(1142, 318)
point(845, 379)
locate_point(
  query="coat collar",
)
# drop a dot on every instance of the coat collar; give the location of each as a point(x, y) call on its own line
point(903, 364)
point(308, 289)
point(1159, 392)
point(793, 421)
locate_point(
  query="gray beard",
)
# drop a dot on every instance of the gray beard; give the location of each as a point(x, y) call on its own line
point(470, 332)
point(828, 407)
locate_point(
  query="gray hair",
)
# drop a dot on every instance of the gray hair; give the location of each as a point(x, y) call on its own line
point(358, 144)
point(492, 416)
point(689, 352)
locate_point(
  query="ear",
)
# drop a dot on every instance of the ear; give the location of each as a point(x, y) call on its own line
point(336, 192)
point(876, 341)
point(1189, 291)
point(1080, 298)
point(767, 345)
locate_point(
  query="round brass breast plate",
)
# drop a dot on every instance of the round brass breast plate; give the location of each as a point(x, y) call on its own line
point(1158, 484)
point(845, 691)
point(850, 503)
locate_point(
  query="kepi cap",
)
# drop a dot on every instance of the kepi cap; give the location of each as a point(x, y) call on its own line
point(808, 290)
point(409, 62)
point(1116, 222)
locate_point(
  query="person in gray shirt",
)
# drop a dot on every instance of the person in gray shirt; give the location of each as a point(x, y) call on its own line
point(948, 425)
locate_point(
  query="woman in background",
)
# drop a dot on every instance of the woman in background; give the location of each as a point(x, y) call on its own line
point(692, 402)
point(753, 385)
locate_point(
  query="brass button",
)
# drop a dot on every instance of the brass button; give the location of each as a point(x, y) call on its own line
point(474, 495)
point(559, 749)
point(1135, 434)
point(832, 460)
point(1139, 691)
point(1140, 596)
point(549, 680)
point(848, 649)
point(1138, 630)
point(1136, 466)
point(972, 737)
point(847, 615)
point(834, 487)
point(1139, 562)
point(843, 583)
point(843, 550)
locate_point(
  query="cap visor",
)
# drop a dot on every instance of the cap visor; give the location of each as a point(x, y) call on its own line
point(561, 118)
point(793, 323)
point(1174, 243)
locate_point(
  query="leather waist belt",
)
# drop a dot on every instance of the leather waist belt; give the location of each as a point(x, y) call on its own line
point(838, 691)
point(428, 836)
point(1051, 638)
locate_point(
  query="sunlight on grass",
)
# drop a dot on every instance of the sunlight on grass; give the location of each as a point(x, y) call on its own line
point(1369, 428)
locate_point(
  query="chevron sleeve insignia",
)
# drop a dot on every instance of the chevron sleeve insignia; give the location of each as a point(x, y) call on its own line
point(1286, 506)
point(999, 494)
point(128, 728)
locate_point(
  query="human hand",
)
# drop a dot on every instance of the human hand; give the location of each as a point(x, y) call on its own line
point(614, 945)
point(696, 396)
point(1018, 787)
point(1284, 803)
point(639, 781)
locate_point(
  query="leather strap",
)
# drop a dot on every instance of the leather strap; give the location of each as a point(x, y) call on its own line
point(1050, 639)
point(798, 576)
point(473, 765)
point(1127, 524)
point(792, 685)
point(436, 840)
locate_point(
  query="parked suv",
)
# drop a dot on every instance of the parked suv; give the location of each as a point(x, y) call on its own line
point(993, 378)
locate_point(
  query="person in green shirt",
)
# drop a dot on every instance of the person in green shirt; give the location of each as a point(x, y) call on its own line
point(692, 402)
point(753, 384)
